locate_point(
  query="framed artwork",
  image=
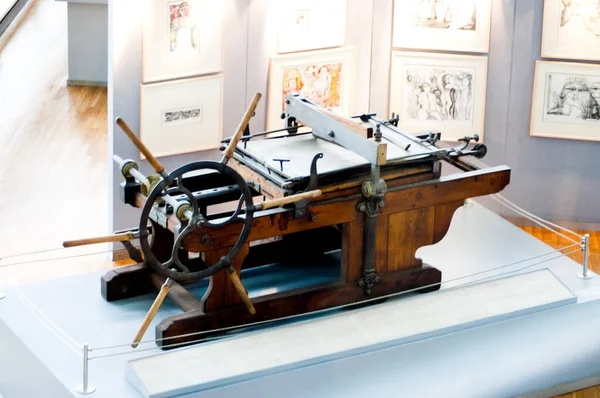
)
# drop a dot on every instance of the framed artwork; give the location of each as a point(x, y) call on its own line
point(181, 38)
point(566, 101)
point(325, 77)
point(310, 24)
point(448, 25)
point(571, 29)
point(182, 116)
point(439, 92)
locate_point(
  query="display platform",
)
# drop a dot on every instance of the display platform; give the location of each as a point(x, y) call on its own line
point(502, 357)
point(400, 321)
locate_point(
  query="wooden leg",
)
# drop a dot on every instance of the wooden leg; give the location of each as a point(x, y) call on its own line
point(290, 303)
point(125, 282)
point(221, 292)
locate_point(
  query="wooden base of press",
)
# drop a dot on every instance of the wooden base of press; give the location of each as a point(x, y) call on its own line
point(195, 319)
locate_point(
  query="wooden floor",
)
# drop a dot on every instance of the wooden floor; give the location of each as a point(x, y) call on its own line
point(54, 153)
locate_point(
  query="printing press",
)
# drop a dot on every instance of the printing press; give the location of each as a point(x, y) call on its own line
point(349, 197)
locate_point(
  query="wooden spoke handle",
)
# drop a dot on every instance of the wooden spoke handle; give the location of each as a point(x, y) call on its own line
point(269, 204)
point(240, 130)
point(140, 145)
point(233, 276)
point(164, 290)
point(100, 239)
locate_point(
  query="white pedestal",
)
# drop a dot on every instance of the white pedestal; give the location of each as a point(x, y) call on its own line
point(548, 349)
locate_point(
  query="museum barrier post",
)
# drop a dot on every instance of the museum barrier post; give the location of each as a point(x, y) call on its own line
point(85, 388)
point(585, 246)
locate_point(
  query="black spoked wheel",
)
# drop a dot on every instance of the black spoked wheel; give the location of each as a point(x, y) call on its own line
point(173, 184)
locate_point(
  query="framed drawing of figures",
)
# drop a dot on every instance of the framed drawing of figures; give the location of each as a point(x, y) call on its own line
point(182, 116)
point(566, 101)
point(571, 29)
point(310, 24)
point(439, 92)
point(324, 77)
point(450, 25)
point(181, 38)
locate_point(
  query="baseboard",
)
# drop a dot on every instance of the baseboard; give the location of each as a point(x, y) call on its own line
point(90, 83)
point(13, 18)
point(581, 226)
point(565, 388)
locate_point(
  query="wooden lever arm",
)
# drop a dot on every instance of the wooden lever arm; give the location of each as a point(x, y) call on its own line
point(162, 294)
point(269, 204)
point(242, 127)
point(101, 239)
point(160, 169)
point(235, 279)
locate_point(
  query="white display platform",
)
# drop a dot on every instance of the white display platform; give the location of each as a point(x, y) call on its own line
point(267, 352)
point(506, 357)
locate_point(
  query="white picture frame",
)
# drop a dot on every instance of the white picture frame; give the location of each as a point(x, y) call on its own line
point(439, 92)
point(325, 77)
point(446, 25)
point(304, 25)
point(566, 101)
point(182, 116)
point(181, 46)
point(571, 31)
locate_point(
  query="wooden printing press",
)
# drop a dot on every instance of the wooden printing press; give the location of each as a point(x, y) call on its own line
point(355, 194)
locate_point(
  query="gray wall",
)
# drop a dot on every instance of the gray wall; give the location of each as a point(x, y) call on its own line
point(88, 43)
point(556, 179)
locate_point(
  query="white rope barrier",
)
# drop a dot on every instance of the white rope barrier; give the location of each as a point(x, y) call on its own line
point(540, 223)
point(503, 200)
point(57, 331)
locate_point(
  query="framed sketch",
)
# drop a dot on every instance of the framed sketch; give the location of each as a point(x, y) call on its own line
point(182, 116)
point(566, 101)
point(181, 38)
point(439, 92)
point(325, 77)
point(310, 24)
point(448, 25)
point(571, 29)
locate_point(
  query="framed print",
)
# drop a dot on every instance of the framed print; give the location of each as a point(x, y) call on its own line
point(439, 92)
point(182, 116)
point(448, 25)
point(566, 101)
point(324, 77)
point(571, 29)
point(181, 38)
point(310, 24)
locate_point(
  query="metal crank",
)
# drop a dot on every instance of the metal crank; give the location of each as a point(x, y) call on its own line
point(479, 150)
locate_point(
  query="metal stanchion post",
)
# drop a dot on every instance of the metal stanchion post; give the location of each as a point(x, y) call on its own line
point(585, 245)
point(85, 388)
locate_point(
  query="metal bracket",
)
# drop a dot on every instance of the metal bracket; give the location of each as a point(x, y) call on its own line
point(133, 253)
point(313, 183)
point(374, 194)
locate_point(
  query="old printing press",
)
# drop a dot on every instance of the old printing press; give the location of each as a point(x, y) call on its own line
point(349, 200)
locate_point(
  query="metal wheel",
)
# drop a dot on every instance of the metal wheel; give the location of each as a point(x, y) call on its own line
point(174, 268)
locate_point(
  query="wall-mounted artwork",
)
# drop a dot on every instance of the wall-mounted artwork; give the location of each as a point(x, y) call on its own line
point(566, 101)
point(182, 116)
point(181, 38)
point(324, 77)
point(309, 24)
point(571, 29)
point(439, 92)
point(451, 25)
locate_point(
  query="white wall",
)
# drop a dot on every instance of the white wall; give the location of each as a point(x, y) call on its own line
point(88, 43)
